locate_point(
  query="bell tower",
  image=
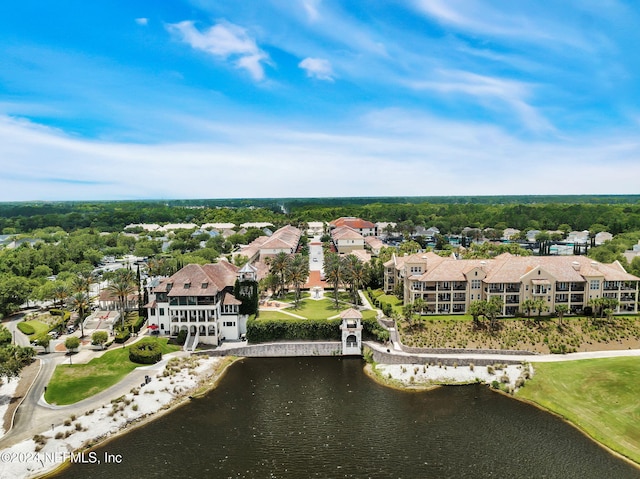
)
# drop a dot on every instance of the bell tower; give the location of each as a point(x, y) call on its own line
point(351, 328)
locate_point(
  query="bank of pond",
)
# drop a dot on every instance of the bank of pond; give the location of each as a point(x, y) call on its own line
point(323, 417)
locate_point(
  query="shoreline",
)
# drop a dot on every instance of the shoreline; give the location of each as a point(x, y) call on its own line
point(49, 452)
point(400, 384)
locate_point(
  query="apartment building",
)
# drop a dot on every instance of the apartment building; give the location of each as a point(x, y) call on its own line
point(448, 285)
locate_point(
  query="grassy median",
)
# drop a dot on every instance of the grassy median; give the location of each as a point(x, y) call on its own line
point(600, 396)
point(72, 383)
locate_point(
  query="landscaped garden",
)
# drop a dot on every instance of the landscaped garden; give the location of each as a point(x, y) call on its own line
point(598, 395)
point(71, 383)
point(544, 336)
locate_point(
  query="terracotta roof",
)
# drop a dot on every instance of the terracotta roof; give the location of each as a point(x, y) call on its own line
point(344, 233)
point(355, 223)
point(197, 280)
point(351, 314)
point(230, 300)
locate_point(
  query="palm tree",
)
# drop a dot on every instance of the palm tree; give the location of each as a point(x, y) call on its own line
point(419, 304)
point(476, 309)
point(356, 274)
point(334, 272)
point(80, 303)
point(528, 305)
point(278, 266)
point(297, 274)
point(493, 309)
point(540, 305)
point(561, 310)
point(120, 287)
point(60, 293)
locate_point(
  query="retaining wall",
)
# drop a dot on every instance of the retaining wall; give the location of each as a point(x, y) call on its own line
point(390, 358)
point(510, 352)
point(277, 350)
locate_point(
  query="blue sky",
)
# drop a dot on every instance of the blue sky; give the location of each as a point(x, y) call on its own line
point(281, 98)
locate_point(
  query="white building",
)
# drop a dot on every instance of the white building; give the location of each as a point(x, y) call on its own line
point(199, 299)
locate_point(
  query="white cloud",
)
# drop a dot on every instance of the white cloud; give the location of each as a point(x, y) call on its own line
point(486, 90)
point(317, 68)
point(311, 8)
point(391, 152)
point(142, 21)
point(224, 41)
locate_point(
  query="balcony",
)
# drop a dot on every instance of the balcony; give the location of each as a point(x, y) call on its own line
point(562, 288)
point(577, 286)
point(577, 298)
point(562, 299)
point(496, 289)
point(512, 300)
point(444, 297)
point(513, 288)
point(459, 286)
point(459, 297)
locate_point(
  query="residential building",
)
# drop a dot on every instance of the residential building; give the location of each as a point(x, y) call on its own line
point(374, 244)
point(315, 228)
point(448, 285)
point(365, 228)
point(346, 239)
point(199, 299)
point(602, 237)
point(283, 240)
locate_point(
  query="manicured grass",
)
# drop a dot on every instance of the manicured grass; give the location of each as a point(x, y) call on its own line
point(396, 304)
point(598, 395)
point(266, 315)
point(321, 309)
point(369, 313)
point(72, 383)
point(39, 327)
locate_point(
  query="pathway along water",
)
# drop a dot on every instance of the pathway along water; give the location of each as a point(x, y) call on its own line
point(324, 418)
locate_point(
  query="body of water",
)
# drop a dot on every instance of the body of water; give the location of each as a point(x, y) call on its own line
point(324, 418)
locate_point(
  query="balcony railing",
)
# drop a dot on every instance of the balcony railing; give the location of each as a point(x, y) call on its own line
point(577, 287)
point(513, 289)
point(562, 288)
point(496, 289)
point(459, 287)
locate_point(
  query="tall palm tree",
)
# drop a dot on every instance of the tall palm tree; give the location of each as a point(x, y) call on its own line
point(80, 303)
point(356, 275)
point(278, 266)
point(297, 274)
point(334, 272)
point(60, 293)
point(561, 310)
point(121, 286)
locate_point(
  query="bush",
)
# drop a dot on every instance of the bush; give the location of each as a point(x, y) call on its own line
point(72, 342)
point(137, 325)
point(372, 330)
point(260, 331)
point(99, 338)
point(122, 337)
point(26, 328)
point(182, 336)
point(145, 352)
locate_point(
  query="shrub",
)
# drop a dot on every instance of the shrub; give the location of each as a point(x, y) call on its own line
point(182, 336)
point(72, 342)
point(145, 352)
point(490, 370)
point(495, 384)
point(260, 331)
point(122, 337)
point(26, 328)
point(99, 338)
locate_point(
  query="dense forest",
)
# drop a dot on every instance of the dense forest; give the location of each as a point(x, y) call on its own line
point(617, 214)
point(74, 237)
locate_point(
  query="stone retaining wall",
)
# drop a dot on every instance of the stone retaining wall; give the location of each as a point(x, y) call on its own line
point(278, 350)
point(510, 352)
point(390, 358)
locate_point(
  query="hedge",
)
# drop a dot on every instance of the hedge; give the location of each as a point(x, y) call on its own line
point(371, 329)
point(137, 326)
point(121, 337)
point(145, 352)
point(260, 331)
point(26, 328)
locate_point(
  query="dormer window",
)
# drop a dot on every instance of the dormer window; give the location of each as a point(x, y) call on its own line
point(169, 286)
point(205, 285)
point(187, 285)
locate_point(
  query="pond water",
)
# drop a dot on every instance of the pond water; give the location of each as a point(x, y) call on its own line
point(324, 418)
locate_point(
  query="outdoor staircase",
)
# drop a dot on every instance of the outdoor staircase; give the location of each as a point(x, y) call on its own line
point(191, 342)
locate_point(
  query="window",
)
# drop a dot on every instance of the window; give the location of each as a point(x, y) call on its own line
point(594, 284)
point(229, 323)
point(475, 284)
point(153, 311)
point(205, 285)
point(161, 311)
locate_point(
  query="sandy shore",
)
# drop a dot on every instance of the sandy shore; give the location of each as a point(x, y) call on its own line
point(419, 377)
point(181, 378)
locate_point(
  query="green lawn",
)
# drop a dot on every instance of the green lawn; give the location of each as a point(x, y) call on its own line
point(39, 327)
point(598, 395)
point(321, 309)
point(72, 383)
point(274, 315)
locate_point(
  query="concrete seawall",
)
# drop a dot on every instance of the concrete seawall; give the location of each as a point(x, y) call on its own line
point(279, 350)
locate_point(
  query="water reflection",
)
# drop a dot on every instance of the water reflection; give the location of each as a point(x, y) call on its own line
point(322, 417)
